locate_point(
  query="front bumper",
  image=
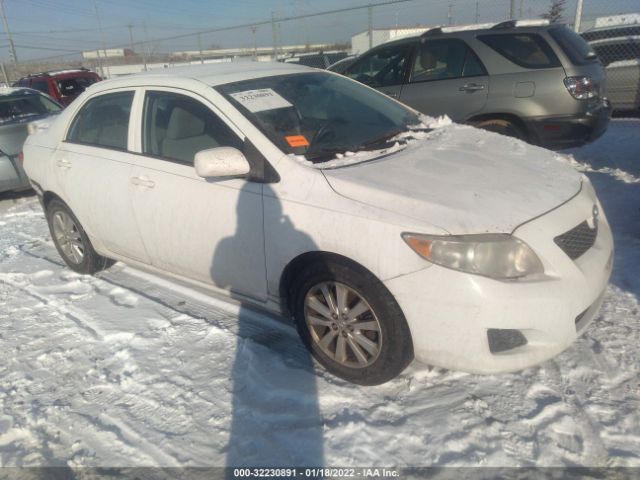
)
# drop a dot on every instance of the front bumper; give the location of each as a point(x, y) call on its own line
point(450, 313)
point(567, 131)
point(12, 176)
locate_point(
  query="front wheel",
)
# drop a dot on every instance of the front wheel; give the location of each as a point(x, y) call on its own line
point(351, 323)
point(71, 241)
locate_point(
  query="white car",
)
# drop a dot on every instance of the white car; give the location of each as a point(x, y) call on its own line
point(303, 192)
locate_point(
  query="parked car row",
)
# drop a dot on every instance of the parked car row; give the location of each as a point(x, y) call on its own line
point(18, 108)
point(33, 98)
point(64, 86)
point(539, 83)
point(308, 194)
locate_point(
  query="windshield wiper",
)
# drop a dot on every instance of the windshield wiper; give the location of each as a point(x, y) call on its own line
point(380, 140)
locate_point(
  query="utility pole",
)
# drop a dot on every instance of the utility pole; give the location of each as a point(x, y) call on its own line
point(253, 29)
point(450, 15)
point(200, 49)
point(512, 10)
point(95, 6)
point(370, 11)
point(578, 20)
point(130, 27)
point(477, 11)
point(4, 74)
point(274, 34)
point(145, 45)
point(12, 47)
point(521, 8)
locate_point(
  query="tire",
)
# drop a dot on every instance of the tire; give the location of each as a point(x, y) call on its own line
point(503, 127)
point(71, 241)
point(382, 323)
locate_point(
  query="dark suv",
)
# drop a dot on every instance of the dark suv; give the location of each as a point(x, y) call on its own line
point(540, 83)
point(62, 85)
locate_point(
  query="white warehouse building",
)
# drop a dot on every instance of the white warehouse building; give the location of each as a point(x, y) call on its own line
point(360, 41)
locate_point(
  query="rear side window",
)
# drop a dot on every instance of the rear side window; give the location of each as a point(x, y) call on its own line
point(573, 45)
point(103, 121)
point(18, 107)
point(441, 59)
point(527, 50)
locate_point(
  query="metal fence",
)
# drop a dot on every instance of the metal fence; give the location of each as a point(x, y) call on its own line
point(304, 33)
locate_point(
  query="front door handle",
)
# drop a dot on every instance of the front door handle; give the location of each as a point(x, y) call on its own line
point(64, 163)
point(143, 182)
point(392, 94)
point(471, 87)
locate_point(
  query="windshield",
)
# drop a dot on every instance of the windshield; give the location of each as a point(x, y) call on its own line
point(319, 115)
point(16, 107)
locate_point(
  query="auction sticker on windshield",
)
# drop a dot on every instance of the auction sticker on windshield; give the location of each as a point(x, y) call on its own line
point(260, 100)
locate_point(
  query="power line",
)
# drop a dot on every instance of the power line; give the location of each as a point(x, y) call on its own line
point(254, 24)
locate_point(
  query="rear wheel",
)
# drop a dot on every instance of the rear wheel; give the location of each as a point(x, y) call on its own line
point(503, 127)
point(71, 241)
point(351, 323)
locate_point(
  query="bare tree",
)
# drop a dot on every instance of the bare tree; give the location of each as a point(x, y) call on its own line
point(555, 12)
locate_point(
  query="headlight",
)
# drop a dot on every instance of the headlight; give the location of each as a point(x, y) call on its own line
point(491, 255)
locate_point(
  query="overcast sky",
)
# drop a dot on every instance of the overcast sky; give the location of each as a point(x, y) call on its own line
point(44, 28)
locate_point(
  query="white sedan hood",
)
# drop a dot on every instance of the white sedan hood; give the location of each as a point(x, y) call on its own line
point(461, 179)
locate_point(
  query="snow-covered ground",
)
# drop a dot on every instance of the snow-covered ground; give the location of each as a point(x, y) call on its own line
point(124, 369)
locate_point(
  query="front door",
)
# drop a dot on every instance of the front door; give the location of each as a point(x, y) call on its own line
point(207, 230)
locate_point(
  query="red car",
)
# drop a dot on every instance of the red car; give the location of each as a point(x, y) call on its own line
point(62, 85)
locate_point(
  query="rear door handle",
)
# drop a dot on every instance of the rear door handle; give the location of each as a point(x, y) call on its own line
point(64, 163)
point(143, 182)
point(471, 87)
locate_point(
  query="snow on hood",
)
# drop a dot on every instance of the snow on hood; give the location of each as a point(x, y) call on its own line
point(461, 179)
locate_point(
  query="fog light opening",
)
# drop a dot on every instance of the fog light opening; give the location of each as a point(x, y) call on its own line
point(504, 339)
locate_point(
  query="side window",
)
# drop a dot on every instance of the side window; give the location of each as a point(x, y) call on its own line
point(70, 87)
point(381, 68)
point(441, 59)
point(103, 121)
point(41, 85)
point(176, 127)
point(524, 49)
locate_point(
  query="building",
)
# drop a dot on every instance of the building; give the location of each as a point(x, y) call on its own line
point(263, 53)
point(360, 41)
point(107, 53)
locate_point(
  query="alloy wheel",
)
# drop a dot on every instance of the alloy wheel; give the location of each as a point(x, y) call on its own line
point(342, 324)
point(67, 236)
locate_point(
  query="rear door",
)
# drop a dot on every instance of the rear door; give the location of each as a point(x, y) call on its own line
point(446, 77)
point(384, 68)
point(93, 165)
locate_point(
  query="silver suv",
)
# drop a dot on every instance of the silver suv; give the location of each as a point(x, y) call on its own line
point(540, 83)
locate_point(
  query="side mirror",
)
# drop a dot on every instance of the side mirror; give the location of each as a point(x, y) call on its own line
point(221, 162)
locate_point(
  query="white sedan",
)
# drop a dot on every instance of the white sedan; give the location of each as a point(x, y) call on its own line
point(302, 192)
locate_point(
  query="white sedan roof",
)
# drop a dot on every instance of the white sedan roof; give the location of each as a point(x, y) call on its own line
point(210, 74)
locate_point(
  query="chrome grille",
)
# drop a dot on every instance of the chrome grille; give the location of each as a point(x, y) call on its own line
point(578, 240)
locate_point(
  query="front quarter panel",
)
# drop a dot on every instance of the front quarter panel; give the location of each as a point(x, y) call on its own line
point(303, 214)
